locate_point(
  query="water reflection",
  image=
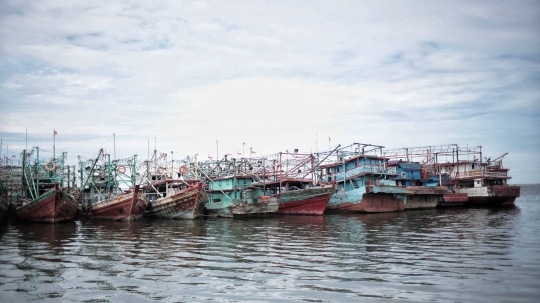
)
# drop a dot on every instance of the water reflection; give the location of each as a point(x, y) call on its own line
point(441, 255)
point(53, 234)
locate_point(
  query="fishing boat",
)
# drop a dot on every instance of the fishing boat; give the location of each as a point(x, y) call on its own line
point(469, 180)
point(53, 205)
point(290, 178)
point(238, 196)
point(175, 199)
point(11, 187)
point(235, 192)
point(170, 194)
point(109, 190)
point(46, 199)
point(298, 198)
point(127, 206)
point(484, 182)
point(365, 182)
point(413, 177)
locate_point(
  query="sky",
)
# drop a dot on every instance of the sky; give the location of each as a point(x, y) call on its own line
point(223, 77)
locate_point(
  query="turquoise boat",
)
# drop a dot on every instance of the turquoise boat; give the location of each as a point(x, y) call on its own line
point(238, 196)
point(365, 182)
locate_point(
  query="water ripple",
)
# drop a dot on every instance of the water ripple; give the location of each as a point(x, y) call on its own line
point(442, 255)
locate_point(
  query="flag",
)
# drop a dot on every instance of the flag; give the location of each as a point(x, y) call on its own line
point(229, 154)
point(209, 157)
point(253, 152)
point(298, 156)
point(239, 153)
point(13, 156)
point(55, 133)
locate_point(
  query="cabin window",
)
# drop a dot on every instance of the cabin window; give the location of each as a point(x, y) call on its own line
point(473, 166)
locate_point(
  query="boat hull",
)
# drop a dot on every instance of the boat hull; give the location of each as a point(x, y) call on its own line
point(452, 199)
point(126, 207)
point(224, 212)
point(53, 206)
point(4, 210)
point(491, 195)
point(311, 201)
point(187, 204)
point(369, 199)
point(260, 208)
point(380, 203)
point(423, 197)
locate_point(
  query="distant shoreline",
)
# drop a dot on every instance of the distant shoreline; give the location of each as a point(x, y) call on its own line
point(526, 184)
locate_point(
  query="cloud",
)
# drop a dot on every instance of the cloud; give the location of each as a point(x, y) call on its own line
point(275, 75)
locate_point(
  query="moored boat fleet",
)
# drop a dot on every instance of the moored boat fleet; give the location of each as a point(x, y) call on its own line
point(362, 178)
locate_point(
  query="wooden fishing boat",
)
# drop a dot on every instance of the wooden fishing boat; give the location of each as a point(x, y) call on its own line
point(46, 200)
point(300, 197)
point(53, 206)
point(102, 196)
point(175, 199)
point(308, 201)
point(238, 196)
point(170, 194)
point(290, 178)
point(11, 188)
point(128, 206)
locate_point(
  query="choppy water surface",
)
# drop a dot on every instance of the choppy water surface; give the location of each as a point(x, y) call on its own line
point(442, 255)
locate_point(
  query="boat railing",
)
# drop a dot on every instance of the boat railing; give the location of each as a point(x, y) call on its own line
point(376, 169)
point(480, 174)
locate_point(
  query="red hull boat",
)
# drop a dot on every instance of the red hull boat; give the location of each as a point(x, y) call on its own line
point(310, 201)
point(54, 206)
point(124, 207)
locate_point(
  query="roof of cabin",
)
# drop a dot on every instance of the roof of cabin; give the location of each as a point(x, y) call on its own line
point(410, 166)
point(353, 158)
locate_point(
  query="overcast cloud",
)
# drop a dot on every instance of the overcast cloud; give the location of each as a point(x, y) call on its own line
point(276, 75)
